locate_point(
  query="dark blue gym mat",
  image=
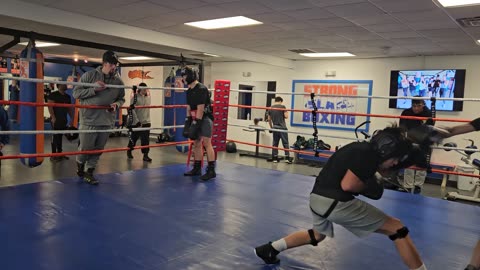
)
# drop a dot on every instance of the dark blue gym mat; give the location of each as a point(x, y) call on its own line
point(159, 219)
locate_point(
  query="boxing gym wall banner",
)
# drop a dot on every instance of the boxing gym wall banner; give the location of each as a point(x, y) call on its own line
point(343, 101)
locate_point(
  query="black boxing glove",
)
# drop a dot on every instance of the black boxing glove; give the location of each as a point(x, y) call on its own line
point(374, 187)
point(476, 124)
point(186, 126)
point(194, 130)
point(426, 134)
point(416, 157)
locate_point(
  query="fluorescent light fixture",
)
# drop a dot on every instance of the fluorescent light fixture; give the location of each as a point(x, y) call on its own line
point(209, 54)
point(39, 44)
point(459, 3)
point(224, 23)
point(136, 58)
point(335, 54)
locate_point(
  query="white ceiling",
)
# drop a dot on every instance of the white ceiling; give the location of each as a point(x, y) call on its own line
point(366, 28)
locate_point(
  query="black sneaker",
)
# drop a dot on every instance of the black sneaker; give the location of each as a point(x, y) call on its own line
point(129, 154)
point(147, 158)
point(89, 178)
point(267, 253)
point(470, 267)
point(208, 175)
point(193, 172)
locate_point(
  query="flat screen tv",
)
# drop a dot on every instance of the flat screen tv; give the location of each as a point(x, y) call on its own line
point(428, 83)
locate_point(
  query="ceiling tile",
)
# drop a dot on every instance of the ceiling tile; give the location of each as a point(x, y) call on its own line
point(40, 2)
point(272, 17)
point(382, 28)
point(331, 22)
point(168, 20)
point(293, 25)
point(404, 5)
point(400, 34)
point(411, 41)
point(209, 13)
point(353, 10)
point(132, 12)
point(328, 3)
point(174, 4)
point(369, 20)
point(285, 5)
point(244, 8)
point(420, 16)
point(427, 25)
point(310, 14)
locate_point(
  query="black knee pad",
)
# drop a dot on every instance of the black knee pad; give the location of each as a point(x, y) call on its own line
point(313, 240)
point(401, 233)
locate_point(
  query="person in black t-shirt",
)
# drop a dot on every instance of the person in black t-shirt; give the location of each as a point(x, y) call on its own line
point(418, 109)
point(58, 118)
point(199, 124)
point(414, 178)
point(351, 171)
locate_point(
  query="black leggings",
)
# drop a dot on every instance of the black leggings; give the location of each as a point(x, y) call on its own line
point(144, 136)
point(57, 138)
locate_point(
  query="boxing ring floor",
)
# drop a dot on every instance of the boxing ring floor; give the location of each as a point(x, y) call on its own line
point(158, 219)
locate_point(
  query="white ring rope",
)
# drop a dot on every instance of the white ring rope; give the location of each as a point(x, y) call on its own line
point(286, 131)
point(358, 96)
point(232, 90)
point(16, 132)
point(455, 148)
point(88, 84)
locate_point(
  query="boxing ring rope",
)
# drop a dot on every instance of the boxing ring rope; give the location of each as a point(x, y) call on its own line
point(354, 114)
point(89, 152)
point(286, 131)
point(356, 96)
point(232, 105)
point(88, 84)
point(36, 104)
point(232, 90)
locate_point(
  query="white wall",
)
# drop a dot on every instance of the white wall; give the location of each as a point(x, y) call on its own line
point(156, 115)
point(377, 70)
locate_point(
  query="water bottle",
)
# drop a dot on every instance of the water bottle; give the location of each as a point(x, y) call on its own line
point(248, 116)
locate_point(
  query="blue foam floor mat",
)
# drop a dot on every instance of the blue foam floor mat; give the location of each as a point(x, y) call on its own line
point(158, 219)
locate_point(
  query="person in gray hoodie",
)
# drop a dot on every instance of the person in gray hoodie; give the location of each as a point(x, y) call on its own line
point(141, 118)
point(97, 119)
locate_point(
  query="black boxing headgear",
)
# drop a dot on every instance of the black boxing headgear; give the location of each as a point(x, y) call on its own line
point(110, 57)
point(391, 143)
point(191, 75)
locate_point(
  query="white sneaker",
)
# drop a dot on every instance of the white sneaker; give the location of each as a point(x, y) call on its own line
point(288, 160)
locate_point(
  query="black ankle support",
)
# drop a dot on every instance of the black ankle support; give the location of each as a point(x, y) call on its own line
point(313, 240)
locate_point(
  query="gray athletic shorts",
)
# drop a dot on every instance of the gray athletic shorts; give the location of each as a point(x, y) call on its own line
point(206, 128)
point(357, 216)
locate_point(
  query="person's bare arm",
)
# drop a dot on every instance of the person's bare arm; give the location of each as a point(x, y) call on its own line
point(351, 183)
point(460, 129)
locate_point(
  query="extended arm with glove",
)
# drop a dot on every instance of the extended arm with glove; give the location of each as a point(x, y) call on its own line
point(427, 134)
